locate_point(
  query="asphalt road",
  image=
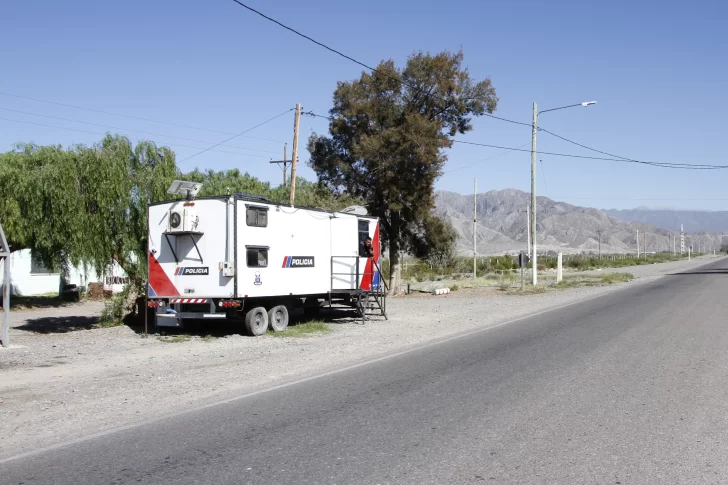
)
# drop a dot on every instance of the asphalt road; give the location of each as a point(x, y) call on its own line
point(629, 388)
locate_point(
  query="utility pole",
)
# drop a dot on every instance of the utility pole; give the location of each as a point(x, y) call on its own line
point(533, 177)
point(294, 159)
point(528, 229)
point(5, 258)
point(682, 239)
point(638, 244)
point(533, 193)
point(475, 226)
point(645, 243)
point(600, 243)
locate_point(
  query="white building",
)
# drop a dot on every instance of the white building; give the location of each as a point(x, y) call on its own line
point(28, 277)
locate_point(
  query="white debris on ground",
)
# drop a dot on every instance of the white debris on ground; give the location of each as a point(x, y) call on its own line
point(59, 385)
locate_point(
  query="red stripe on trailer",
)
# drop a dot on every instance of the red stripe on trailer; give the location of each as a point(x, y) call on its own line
point(188, 300)
point(366, 281)
point(158, 279)
point(285, 260)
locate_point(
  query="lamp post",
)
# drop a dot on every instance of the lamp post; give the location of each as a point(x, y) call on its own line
point(533, 178)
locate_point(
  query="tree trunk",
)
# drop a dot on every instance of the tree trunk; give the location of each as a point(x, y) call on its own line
point(395, 265)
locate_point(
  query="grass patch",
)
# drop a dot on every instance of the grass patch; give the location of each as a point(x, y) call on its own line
point(174, 339)
point(306, 329)
point(611, 278)
point(528, 290)
point(454, 288)
point(109, 323)
point(208, 338)
point(575, 281)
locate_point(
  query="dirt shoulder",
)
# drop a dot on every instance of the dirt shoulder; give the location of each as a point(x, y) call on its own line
point(64, 378)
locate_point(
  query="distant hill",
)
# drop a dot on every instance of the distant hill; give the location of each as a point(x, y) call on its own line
point(561, 227)
point(694, 221)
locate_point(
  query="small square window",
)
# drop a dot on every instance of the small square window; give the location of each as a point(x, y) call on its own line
point(257, 258)
point(256, 216)
point(37, 266)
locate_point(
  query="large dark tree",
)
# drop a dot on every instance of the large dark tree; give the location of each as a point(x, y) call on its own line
point(388, 133)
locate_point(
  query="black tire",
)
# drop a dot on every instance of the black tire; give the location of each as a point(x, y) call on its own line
point(256, 321)
point(278, 318)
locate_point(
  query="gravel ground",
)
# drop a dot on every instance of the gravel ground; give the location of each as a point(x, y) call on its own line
point(58, 385)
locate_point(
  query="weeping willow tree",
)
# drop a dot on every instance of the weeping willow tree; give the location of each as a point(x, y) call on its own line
point(87, 205)
point(84, 205)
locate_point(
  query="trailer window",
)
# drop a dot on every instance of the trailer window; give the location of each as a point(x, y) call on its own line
point(363, 231)
point(257, 258)
point(256, 216)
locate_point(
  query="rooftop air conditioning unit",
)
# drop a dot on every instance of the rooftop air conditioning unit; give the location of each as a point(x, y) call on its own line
point(182, 220)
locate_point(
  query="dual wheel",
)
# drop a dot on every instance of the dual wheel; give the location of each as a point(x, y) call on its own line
point(258, 320)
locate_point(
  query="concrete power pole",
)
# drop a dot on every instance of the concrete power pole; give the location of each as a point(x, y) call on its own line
point(294, 159)
point(528, 229)
point(475, 227)
point(682, 240)
point(534, 265)
point(600, 243)
point(645, 244)
point(638, 244)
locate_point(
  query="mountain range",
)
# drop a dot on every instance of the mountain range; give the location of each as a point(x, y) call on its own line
point(502, 225)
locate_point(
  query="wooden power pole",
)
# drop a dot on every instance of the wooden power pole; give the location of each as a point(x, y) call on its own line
point(294, 159)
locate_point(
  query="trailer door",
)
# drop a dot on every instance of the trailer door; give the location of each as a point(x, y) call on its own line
point(345, 261)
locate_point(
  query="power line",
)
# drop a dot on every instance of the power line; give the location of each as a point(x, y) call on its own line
point(484, 160)
point(130, 137)
point(130, 116)
point(623, 160)
point(373, 69)
point(239, 134)
point(616, 158)
point(129, 129)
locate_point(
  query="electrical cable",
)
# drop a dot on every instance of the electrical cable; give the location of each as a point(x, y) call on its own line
point(129, 129)
point(130, 137)
point(130, 116)
point(620, 157)
point(235, 136)
point(373, 69)
point(623, 160)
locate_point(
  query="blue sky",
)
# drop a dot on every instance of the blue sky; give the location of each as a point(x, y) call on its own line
point(656, 67)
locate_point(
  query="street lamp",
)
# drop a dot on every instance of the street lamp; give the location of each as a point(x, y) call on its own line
point(533, 178)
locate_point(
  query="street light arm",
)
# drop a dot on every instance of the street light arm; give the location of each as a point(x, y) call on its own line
point(563, 107)
point(585, 104)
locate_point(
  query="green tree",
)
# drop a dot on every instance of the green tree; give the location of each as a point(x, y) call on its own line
point(387, 138)
point(84, 204)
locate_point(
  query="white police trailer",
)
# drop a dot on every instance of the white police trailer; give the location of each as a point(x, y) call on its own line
point(244, 257)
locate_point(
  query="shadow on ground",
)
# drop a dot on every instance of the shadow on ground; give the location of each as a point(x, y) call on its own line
point(59, 324)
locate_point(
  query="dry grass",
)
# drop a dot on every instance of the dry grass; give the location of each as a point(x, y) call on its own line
point(303, 330)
